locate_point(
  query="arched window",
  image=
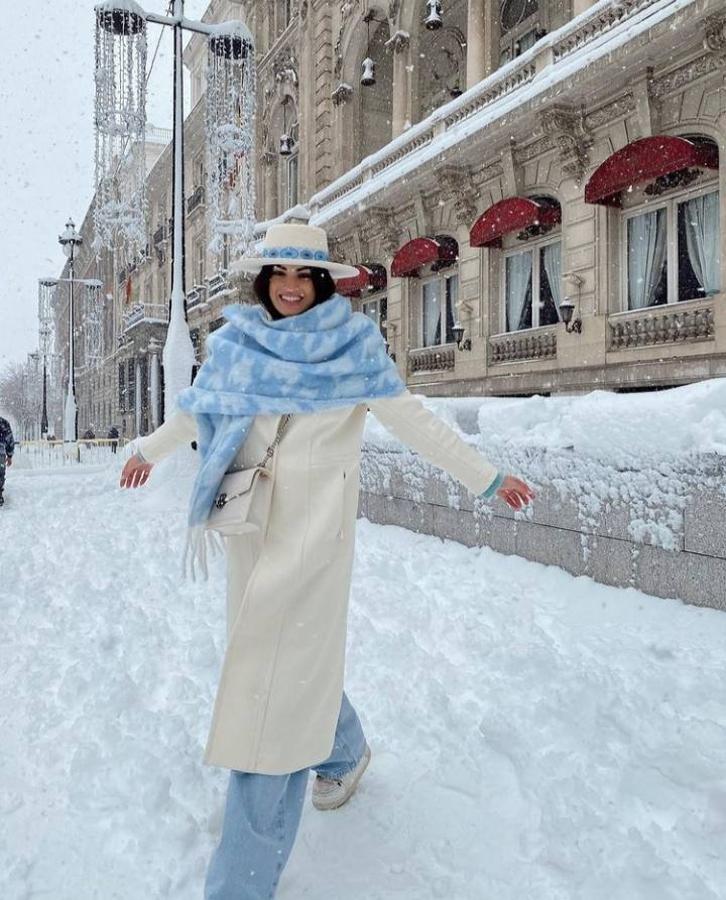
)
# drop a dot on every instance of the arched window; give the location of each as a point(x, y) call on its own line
point(435, 294)
point(282, 157)
point(289, 169)
point(441, 62)
point(519, 27)
point(670, 230)
point(527, 230)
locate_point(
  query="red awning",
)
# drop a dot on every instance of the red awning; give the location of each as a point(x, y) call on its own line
point(646, 160)
point(422, 252)
point(373, 277)
point(512, 214)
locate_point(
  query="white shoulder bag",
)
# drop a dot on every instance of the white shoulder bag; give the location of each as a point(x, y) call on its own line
point(233, 503)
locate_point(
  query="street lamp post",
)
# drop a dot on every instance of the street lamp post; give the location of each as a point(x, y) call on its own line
point(69, 240)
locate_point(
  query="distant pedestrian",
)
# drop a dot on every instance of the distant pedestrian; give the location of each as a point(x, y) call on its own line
point(113, 437)
point(7, 448)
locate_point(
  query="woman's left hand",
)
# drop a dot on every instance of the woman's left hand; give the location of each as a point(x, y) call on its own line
point(515, 492)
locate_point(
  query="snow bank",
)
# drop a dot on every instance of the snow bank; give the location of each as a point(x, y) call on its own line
point(644, 453)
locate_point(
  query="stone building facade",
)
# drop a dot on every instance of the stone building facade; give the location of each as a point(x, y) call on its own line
point(522, 154)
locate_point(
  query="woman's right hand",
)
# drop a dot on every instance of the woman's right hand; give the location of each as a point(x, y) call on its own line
point(136, 472)
point(515, 492)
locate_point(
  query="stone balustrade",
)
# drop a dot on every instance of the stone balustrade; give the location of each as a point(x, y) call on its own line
point(662, 325)
point(521, 346)
point(431, 359)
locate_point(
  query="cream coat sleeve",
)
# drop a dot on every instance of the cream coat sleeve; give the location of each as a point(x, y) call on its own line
point(407, 419)
point(180, 428)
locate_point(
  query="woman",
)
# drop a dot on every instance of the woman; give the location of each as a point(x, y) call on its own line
point(280, 705)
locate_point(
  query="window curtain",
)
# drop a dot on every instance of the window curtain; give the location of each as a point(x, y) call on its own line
point(646, 257)
point(518, 288)
point(431, 308)
point(452, 298)
point(552, 256)
point(703, 239)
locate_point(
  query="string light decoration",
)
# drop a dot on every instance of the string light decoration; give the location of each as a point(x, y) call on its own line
point(230, 122)
point(120, 119)
point(92, 323)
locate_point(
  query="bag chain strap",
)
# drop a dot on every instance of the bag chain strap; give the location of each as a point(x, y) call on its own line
point(278, 437)
point(284, 421)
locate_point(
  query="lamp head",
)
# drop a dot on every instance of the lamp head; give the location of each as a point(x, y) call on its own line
point(70, 239)
point(567, 308)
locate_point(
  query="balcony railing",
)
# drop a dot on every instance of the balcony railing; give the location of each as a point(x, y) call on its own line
point(520, 346)
point(196, 296)
point(195, 199)
point(145, 312)
point(654, 327)
point(216, 284)
point(432, 359)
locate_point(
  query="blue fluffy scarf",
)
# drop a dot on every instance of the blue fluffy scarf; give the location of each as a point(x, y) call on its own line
point(324, 358)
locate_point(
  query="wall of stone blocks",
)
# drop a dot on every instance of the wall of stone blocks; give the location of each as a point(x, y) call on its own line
point(553, 531)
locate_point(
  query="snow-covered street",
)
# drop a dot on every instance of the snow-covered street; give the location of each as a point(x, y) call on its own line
point(535, 736)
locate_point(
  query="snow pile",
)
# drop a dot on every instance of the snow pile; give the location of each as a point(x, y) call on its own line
point(535, 736)
point(646, 453)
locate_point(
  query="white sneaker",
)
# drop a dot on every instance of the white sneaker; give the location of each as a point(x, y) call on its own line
point(330, 793)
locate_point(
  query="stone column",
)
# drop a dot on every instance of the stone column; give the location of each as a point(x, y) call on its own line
point(482, 40)
point(401, 114)
point(137, 396)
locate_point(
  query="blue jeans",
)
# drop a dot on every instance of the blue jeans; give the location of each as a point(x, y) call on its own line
point(262, 816)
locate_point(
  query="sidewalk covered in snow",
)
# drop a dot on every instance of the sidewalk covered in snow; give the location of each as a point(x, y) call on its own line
point(535, 736)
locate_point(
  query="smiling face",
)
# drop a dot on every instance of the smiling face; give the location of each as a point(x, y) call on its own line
point(292, 290)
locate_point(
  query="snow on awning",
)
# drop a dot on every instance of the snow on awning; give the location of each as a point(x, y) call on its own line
point(373, 277)
point(645, 160)
point(422, 252)
point(512, 214)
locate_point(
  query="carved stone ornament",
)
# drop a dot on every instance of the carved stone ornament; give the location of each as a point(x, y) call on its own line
point(715, 39)
point(384, 225)
point(457, 184)
point(566, 127)
point(342, 94)
point(606, 114)
point(394, 7)
point(399, 42)
point(285, 66)
point(680, 78)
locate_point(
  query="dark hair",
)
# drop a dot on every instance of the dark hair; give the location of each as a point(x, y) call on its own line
point(322, 282)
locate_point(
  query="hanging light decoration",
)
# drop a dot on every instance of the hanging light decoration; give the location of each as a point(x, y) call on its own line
point(92, 322)
point(433, 20)
point(120, 119)
point(368, 78)
point(231, 99)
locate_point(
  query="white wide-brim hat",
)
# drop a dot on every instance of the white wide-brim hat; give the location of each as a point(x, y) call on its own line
point(294, 245)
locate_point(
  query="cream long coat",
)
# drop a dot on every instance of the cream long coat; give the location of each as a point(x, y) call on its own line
point(281, 684)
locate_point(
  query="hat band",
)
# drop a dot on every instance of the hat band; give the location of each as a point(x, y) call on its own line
point(296, 253)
